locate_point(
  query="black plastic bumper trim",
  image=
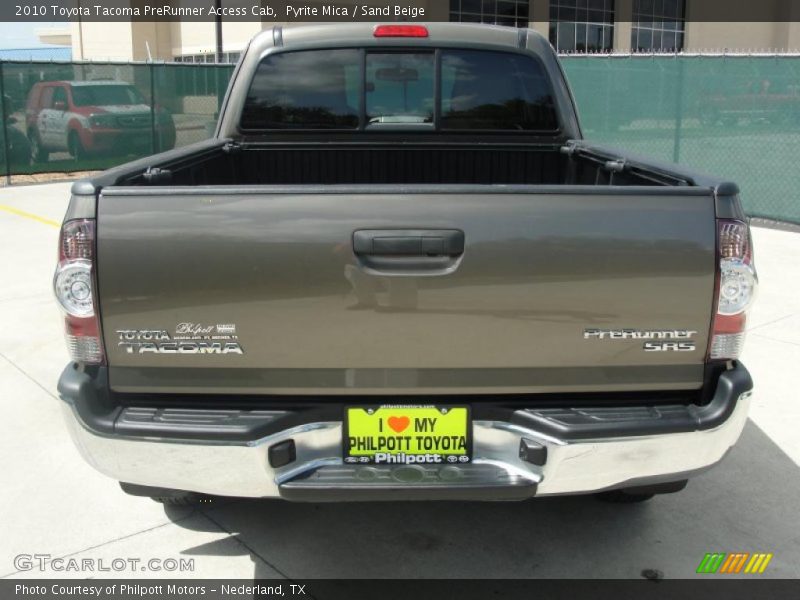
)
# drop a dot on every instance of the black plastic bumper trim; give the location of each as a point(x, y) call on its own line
point(532, 452)
point(587, 423)
point(300, 492)
point(281, 454)
point(87, 391)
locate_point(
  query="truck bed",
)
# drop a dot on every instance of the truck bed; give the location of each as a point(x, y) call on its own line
point(408, 163)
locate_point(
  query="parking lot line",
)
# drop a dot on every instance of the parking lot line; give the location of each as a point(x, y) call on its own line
point(27, 215)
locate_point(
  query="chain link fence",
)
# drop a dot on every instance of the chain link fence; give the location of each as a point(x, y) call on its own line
point(737, 117)
point(84, 116)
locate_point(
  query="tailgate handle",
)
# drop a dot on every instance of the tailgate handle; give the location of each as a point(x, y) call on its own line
point(422, 243)
point(408, 252)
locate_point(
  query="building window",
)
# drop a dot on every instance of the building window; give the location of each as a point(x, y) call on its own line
point(513, 13)
point(208, 57)
point(658, 25)
point(582, 25)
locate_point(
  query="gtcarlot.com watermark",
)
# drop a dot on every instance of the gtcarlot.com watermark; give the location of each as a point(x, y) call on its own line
point(46, 563)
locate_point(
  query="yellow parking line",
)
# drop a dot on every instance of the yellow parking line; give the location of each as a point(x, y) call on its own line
point(27, 215)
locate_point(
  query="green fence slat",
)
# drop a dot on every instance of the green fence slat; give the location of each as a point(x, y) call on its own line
point(736, 117)
point(6, 145)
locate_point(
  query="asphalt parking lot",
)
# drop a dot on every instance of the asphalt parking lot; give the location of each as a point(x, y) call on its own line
point(53, 503)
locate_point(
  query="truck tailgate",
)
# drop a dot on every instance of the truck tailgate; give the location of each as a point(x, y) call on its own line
point(467, 289)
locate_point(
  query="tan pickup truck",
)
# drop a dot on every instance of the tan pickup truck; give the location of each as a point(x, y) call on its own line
point(397, 271)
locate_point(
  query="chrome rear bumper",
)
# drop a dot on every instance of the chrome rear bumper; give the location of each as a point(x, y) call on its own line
point(577, 460)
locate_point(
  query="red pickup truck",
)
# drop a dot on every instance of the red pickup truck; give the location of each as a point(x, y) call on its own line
point(92, 117)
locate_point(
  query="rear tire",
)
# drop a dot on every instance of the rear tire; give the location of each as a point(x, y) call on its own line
point(38, 153)
point(186, 499)
point(634, 495)
point(165, 496)
point(621, 497)
point(75, 146)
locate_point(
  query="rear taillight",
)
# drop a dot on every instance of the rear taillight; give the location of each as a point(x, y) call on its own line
point(74, 286)
point(410, 31)
point(736, 289)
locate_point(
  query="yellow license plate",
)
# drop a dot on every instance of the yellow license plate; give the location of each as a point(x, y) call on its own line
point(407, 435)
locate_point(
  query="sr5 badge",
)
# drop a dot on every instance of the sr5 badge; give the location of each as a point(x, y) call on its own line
point(656, 340)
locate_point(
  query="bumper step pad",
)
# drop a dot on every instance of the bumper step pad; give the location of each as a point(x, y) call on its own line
point(475, 481)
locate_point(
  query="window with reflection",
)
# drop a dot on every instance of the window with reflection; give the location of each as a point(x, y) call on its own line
point(305, 90)
point(513, 13)
point(495, 91)
point(582, 25)
point(658, 25)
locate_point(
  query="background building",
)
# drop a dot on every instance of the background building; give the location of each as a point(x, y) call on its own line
point(573, 26)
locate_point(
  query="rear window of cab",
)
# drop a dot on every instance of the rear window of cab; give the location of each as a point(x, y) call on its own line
point(352, 89)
